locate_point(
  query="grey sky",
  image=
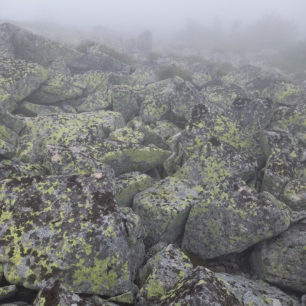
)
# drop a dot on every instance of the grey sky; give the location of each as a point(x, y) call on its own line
point(167, 14)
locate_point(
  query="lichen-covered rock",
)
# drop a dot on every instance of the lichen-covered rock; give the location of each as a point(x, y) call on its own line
point(161, 273)
point(68, 229)
point(125, 100)
point(128, 184)
point(126, 134)
point(18, 79)
point(66, 130)
point(14, 168)
point(57, 295)
point(200, 287)
point(256, 292)
point(128, 157)
point(61, 160)
point(7, 292)
point(8, 141)
point(125, 298)
point(230, 217)
point(58, 88)
point(29, 109)
point(282, 260)
point(170, 98)
point(295, 194)
point(164, 208)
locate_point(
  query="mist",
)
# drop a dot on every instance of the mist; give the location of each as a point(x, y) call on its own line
point(159, 16)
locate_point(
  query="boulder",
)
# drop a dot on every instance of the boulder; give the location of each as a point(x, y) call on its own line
point(231, 217)
point(69, 229)
point(161, 273)
point(282, 260)
point(164, 208)
point(129, 184)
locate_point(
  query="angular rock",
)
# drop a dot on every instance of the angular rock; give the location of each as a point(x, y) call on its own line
point(164, 208)
point(201, 287)
point(127, 135)
point(68, 229)
point(230, 217)
point(161, 273)
point(282, 260)
point(18, 79)
point(295, 194)
point(129, 184)
point(57, 295)
point(125, 100)
point(65, 130)
point(256, 292)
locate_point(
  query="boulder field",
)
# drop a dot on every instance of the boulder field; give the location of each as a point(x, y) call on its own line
point(121, 188)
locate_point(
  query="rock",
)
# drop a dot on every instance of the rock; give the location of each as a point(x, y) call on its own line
point(7, 292)
point(14, 168)
point(127, 135)
point(129, 157)
point(164, 208)
point(125, 100)
point(29, 109)
point(8, 141)
point(65, 130)
point(129, 184)
point(282, 260)
point(52, 226)
point(18, 80)
point(295, 194)
point(126, 298)
point(200, 287)
point(161, 273)
point(22, 44)
point(57, 295)
point(230, 217)
point(255, 292)
point(170, 98)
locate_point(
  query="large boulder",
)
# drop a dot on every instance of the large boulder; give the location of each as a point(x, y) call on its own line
point(282, 260)
point(164, 208)
point(69, 229)
point(230, 217)
point(66, 130)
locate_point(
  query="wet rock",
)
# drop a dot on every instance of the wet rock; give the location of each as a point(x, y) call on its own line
point(52, 226)
point(164, 208)
point(201, 287)
point(256, 292)
point(161, 273)
point(129, 184)
point(281, 260)
point(230, 217)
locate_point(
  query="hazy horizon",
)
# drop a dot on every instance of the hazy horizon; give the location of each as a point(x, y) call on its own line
point(158, 15)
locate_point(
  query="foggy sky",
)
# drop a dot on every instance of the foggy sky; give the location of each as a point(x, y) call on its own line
point(154, 14)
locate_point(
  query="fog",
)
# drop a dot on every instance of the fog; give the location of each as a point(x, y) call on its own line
point(161, 16)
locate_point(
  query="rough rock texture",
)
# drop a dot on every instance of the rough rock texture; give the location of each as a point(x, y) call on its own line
point(201, 287)
point(257, 293)
point(129, 184)
point(282, 260)
point(57, 295)
point(231, 218)
point(164, 208)
point(18, 79)
point(7, 292)
point(68, 228)
point(161, 273)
